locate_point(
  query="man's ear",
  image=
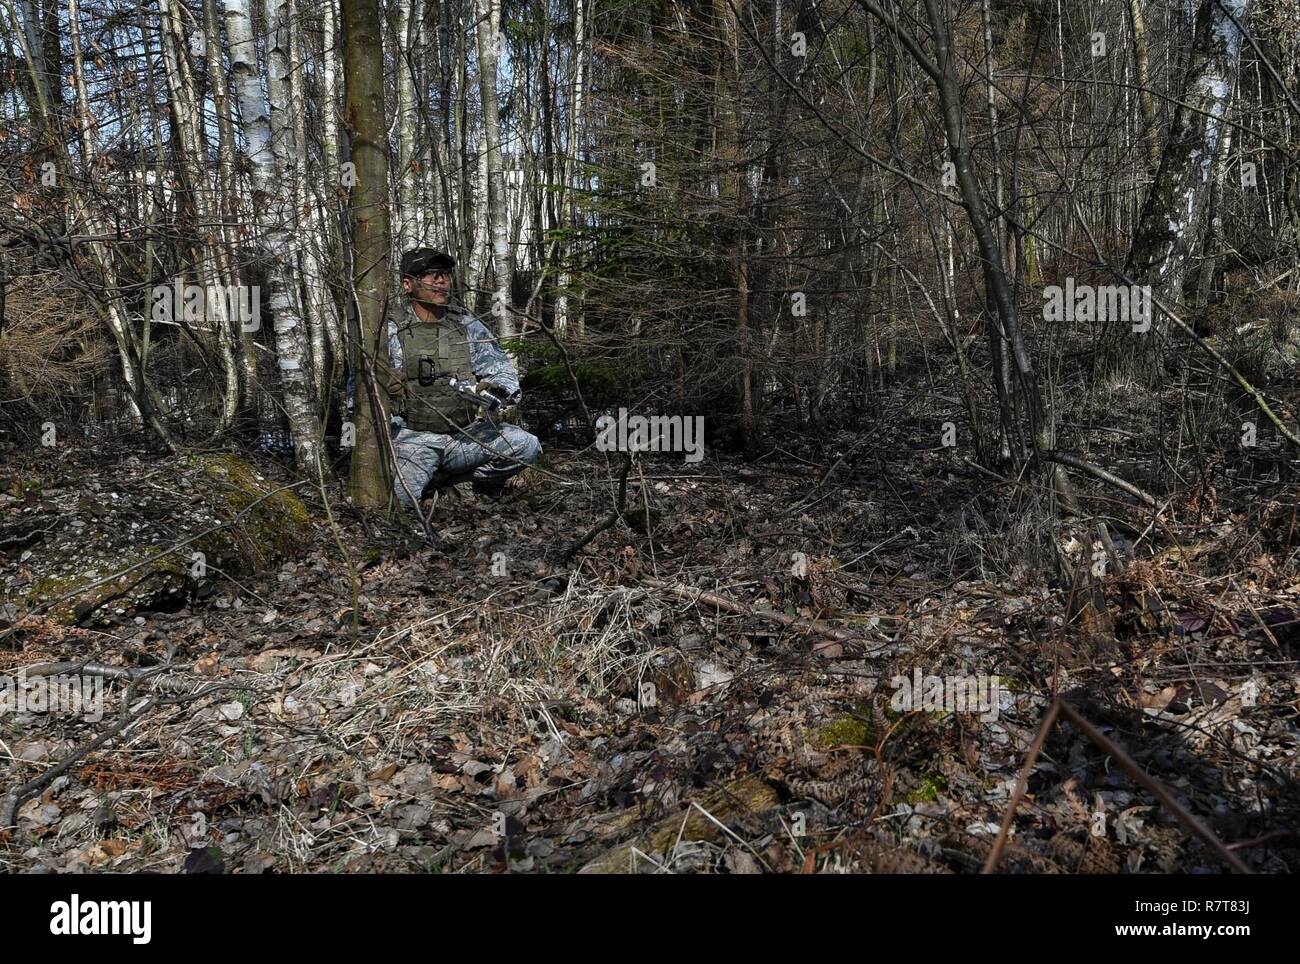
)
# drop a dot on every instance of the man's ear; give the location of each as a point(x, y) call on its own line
point(406, 285)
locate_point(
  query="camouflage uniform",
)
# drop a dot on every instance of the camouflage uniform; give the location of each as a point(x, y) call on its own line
point(436, 432)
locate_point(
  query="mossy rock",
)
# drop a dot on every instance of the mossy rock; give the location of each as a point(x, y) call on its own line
point(743, 798)
point(240, 522)
point(75, 596)
point(270, 522)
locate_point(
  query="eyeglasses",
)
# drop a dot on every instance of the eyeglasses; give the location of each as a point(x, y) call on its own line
point(435, 273)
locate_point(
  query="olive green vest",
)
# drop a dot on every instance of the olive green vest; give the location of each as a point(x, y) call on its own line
point(432, 354)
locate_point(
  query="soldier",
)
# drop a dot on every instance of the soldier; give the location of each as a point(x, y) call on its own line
point(439, 432)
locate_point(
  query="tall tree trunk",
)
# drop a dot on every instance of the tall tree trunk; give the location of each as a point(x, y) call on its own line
point(489, 38)
point(410, 231)
point(1213, 230)
point(572, 159)
point(209, 241)
point(26, 26)
point(364, 73)
point(314, 295)
point(269, 168)
point(331, 254)
point(1172, 212)
point(1142, 70)
point(228, 203)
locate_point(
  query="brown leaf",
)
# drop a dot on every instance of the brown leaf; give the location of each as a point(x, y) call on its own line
point(1161, 700)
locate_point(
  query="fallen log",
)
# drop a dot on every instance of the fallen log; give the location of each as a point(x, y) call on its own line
point(747, 796)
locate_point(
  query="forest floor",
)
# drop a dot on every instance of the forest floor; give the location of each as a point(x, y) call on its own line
point(487, 706)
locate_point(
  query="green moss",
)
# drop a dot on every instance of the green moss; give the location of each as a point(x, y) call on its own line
point(162, 575)
point(846, 731)
point(273, 523)
point(931, 786)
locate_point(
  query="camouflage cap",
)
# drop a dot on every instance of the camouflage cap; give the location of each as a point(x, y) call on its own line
point(419, 260)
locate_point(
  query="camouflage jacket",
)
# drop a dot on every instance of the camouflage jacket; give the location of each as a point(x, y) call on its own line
point(491, 363)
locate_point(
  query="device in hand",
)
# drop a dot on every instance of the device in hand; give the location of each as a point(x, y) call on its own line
point(469, 390)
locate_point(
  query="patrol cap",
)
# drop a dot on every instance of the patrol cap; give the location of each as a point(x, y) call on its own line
point(419, 260)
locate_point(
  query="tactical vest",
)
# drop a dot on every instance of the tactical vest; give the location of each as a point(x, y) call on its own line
point(432, 354)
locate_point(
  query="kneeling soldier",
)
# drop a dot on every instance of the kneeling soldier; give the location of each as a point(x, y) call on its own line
point(440, 429)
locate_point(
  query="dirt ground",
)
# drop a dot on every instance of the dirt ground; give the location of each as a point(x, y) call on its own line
point(715, 688)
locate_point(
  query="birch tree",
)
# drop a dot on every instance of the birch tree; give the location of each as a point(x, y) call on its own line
point(1171, 215)
point(489, 46)
point(571, 162)
point(268, 139)
point(407, 39)
point(208, 241)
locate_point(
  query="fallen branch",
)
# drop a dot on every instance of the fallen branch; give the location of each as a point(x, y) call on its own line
point(815, 626)
point(995, 852)
point(19, 794)
point(82, 668)
point(1101, 475)
point(615, 514)
point(1156, 789)
point(1128, 765)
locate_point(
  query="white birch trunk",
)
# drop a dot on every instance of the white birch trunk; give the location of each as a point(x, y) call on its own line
point(489, 36)
point(316, 301)
point(269, 164)
point(227, 197)
point(572, 159)
point(1173, 209)
point(411, 230)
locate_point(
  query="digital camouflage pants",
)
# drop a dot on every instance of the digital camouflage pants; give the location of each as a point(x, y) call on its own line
point(487, 451)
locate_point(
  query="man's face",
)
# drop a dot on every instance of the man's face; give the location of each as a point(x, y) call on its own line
point(431, 289)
